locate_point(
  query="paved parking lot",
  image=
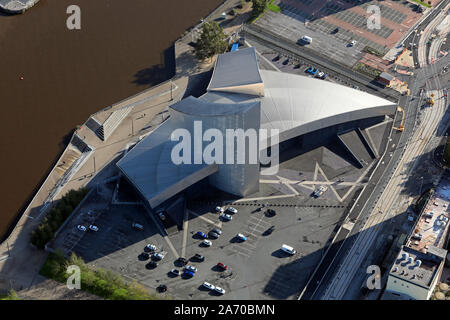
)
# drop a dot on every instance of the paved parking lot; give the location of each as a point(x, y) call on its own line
point(257, 268)
point(319, 20)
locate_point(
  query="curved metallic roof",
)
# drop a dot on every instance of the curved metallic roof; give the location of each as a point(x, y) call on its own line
point(297, 104)
point(293, 104)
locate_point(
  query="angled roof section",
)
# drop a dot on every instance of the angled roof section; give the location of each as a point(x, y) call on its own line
point(237, 72)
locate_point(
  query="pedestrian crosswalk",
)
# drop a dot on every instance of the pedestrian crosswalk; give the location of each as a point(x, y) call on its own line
point(255, 226)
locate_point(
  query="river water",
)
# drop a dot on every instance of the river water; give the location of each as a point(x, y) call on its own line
point(121, 49)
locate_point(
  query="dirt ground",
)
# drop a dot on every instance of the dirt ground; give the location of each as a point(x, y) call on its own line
point(48, 289)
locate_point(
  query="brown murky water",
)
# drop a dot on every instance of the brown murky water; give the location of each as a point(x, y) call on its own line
point(67, 75)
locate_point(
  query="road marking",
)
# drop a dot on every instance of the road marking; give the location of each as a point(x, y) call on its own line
point(185, 232)
point(219, 225)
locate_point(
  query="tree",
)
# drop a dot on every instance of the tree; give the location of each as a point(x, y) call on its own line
point(258, 7)
point(211, 42)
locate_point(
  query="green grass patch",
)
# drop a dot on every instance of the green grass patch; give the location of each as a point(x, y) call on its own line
point(12, 295)
point(425, 4)
point(45, 231)
point(373, 51)
point(273, 7)
point(259, 12)
point(101, 282)
point(364, 68)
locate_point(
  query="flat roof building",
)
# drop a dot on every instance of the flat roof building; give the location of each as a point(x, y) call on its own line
point(419, 264)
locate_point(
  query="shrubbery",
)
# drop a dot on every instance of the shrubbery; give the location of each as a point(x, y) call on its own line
point(56, 217)
point(101, 282)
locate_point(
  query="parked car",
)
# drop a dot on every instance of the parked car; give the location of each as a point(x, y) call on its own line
point(81, 228)
point(189, 274)
point(352, 43)
point(226, 217)
point(271, 213)
point(162, 215)
point(232, 210)
point(190, 268)
point(324, 76)
point(182, 261)
point(201, 235)
point(208, 285)
point(145, 255)
point(309, 70)
point(199, 257)
point(269, 231)
point(162, 288)
point(320, 74)
point(175, 272)
point(207, 243)
point(314, 72)
point(219, 290)
point(152, 265)
point(318, 192)
point(222, 266)
point(137, 226)
point(241, 237)
point(217, 230)
point(336, 30)
point(219, 209)
point(150, 247)
point(93, 228)
point(288, 249)
point(213, 235)
point(158, 256)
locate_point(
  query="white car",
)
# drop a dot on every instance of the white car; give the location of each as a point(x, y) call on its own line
point(151, 247)
point(219, 290)
point(158, 256)
point(232, 210)
point(320, 74)
point(207, 243)
point(191, 268)
point(219, 209)
point(226, 217)
point(352, 43)
point(93, 228)
point(241, 237)
point(81, 228)
point(208, 285)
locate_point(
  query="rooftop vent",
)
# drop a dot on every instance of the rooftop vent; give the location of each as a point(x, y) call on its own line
point(410, 259)
point(404, 256)
point(418, 263)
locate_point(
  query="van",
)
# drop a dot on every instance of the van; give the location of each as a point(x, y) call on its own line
point(137, 226)
point(306, 39)
point(288, 249)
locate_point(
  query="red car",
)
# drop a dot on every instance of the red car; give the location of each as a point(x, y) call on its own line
point(222, 266)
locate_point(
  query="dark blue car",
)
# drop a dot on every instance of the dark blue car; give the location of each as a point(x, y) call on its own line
point(201, 235)
point(189, 274)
